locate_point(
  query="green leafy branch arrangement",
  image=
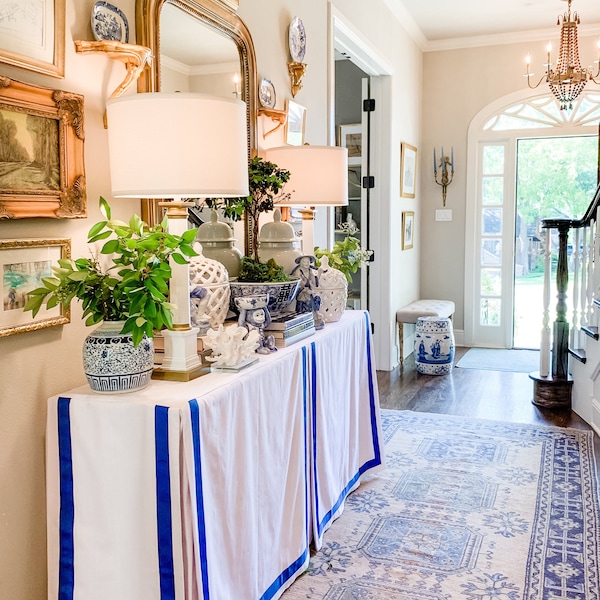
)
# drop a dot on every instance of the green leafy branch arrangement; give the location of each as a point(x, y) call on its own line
point(346, 255)
point(133, 289)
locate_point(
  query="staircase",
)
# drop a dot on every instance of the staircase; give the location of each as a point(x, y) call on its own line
point(569, 375)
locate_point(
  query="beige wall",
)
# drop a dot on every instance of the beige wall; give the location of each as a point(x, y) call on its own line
point(37, 365)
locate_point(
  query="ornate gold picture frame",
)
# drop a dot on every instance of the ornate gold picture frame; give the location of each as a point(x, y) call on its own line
point(33, 36)
point(23, 263)
point(41, 160)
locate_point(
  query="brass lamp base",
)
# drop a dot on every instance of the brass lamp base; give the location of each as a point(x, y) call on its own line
point(168, 375)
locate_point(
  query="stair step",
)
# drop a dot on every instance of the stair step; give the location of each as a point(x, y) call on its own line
point(590, 331)
point(578, 354)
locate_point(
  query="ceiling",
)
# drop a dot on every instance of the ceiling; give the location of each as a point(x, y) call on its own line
point(439, 24)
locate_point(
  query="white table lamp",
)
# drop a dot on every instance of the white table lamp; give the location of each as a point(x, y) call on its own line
point(318, 177)
point(177, 147)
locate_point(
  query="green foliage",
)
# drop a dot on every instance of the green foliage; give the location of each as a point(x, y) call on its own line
point(265, 182)
point(254, 271)
point(134, 288)
point(346, 255)
point(556, 176)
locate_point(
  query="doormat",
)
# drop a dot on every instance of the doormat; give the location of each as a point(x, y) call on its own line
point(500, 359)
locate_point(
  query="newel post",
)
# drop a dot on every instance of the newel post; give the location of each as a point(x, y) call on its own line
point(554, 390)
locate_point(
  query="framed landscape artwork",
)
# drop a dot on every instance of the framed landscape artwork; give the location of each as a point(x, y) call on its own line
point(408, 230)
point(23, 264)
point(408, 170)
point(350, 136)
point(33, 35)
point(41, 166)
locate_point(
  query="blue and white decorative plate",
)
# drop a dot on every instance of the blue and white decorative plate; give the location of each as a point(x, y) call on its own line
point(297, 40)
point(266, 94)
point(109, 23)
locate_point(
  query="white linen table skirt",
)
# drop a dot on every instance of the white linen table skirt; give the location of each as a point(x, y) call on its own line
point(211, 489)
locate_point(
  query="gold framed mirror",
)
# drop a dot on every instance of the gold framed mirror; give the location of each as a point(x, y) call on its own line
point(206, 40)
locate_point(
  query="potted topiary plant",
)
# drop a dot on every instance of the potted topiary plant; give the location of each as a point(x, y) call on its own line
point(266, 182)
point(127, 293)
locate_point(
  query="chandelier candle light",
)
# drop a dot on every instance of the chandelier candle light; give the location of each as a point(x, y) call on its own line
point(446, 167)
point(569, 78)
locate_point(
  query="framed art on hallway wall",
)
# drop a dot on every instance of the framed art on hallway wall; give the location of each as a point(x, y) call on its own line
point(408, 230)
point(42, 170)
point(23, 264)
point(408, 170)
point(350, 137)
point(32, 35)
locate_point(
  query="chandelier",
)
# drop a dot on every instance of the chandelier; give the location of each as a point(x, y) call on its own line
point(569, 78)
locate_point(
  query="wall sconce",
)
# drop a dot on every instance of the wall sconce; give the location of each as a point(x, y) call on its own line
point(446, 171)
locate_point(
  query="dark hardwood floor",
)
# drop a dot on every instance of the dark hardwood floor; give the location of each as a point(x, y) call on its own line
point(495, 395)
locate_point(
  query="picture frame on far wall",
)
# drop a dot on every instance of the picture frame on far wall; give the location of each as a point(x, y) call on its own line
point(23, 263)
point(295, 123)
point(42, 170)
point(408, 170)
point(350, 136)
point(408, 230)
point(33, 36)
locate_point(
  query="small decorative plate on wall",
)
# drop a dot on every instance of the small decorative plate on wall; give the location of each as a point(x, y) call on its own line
point(109, 23)
point(297, 40)
point(266, 94)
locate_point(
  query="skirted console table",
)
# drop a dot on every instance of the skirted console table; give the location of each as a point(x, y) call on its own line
point(215, 488)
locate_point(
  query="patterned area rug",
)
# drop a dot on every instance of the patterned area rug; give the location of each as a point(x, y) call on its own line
point(466, 509)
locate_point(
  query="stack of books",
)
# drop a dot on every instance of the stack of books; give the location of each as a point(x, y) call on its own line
point(290, 328)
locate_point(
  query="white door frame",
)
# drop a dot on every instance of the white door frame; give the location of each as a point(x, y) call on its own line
point(474, 334)
point(344, 37)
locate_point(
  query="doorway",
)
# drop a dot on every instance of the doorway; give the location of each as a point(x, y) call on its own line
point(556, 178)
point(492, 220)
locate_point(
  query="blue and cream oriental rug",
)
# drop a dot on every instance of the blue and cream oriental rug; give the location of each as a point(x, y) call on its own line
point(466, 509)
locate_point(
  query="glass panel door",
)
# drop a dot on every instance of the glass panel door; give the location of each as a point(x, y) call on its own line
point(494, 229)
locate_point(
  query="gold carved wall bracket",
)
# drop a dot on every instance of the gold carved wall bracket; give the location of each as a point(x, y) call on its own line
point(296, 71)
point(134, 57)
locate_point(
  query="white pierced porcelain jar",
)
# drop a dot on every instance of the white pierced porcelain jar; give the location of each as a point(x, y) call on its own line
point(112, 364)
point(209, 292)
point(333, 290)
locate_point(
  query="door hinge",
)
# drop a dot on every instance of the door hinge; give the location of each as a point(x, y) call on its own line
point(372, 328)
point(369, 105)
point(368, 182)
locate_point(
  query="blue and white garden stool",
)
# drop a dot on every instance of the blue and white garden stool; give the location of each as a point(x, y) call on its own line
point(434, 345)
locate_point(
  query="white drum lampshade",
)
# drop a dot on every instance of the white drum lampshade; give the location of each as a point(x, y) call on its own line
point(318, 177)
point(177, 145)
point(318, 174)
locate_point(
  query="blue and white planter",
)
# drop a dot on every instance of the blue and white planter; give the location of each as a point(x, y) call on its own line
point(112, 364)
point(434, 345)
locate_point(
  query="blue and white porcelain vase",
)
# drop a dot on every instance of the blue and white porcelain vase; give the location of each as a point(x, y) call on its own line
point(112, 364)
point(434, 345)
